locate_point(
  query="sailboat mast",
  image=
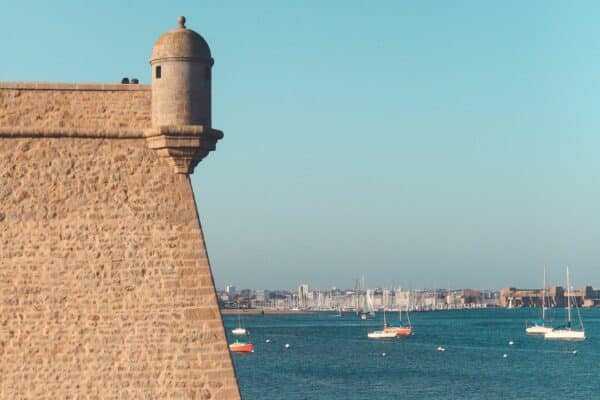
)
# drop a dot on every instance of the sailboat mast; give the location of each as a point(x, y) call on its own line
point(568, 297)
point(407, 308)
point(357, 287)
point(400, 306)
point(544, 297)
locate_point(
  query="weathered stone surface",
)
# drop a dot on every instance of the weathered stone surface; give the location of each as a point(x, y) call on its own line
point(43, 107)
point(183, 146)
point(105, 287)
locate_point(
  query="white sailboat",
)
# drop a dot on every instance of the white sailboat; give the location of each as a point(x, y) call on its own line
point(384, 333)
point(368, 310)
point(239, 330)
point(539, 327)
point(567, 332)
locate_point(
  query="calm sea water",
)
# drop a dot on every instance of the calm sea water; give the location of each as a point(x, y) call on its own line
point(330, 357)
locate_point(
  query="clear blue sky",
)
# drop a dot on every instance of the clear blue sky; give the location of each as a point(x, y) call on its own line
point(446, 143)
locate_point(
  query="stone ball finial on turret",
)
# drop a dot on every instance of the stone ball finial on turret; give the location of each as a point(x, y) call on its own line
point(181, 78)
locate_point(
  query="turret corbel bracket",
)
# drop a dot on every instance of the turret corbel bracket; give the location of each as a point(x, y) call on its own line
point(183, 146)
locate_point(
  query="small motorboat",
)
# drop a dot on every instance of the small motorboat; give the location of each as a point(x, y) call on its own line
point(241, 347)
point(366, 315)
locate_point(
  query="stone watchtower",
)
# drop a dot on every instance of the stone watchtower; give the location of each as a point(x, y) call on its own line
point(181, 74)
point(181, 110)
point(106, 289)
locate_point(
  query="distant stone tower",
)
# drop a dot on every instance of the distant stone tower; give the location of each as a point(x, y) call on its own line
point(106, 290)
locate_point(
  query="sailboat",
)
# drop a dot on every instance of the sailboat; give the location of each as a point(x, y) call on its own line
point(368, 310)
point(384, 333)
point(402, 329)
point(567, 332)
point(239, 330)
point(538, 327)
point(241, 347)
point(358, 290)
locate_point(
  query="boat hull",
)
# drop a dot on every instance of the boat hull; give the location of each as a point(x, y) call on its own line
point(400, 330)
point(381, 335)
point(238, 331)
point(241, 348)
point(564, 334)
point(538, 330)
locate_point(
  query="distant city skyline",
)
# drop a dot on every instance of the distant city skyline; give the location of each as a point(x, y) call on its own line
point(232, 286)
point(422, 144)
point(365, 301)
point(361, 299)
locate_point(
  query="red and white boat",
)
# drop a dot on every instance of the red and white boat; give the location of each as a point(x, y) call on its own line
point(241, 347)
point(402, 329)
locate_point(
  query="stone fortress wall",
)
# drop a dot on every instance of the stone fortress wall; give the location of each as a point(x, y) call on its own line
point(106, 290)
point(92, 108)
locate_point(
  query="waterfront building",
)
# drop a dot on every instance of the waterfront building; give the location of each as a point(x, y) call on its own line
point(260, 295)
point(402, 298)
point(231, 290)
point(303, 291)
point(512, 297)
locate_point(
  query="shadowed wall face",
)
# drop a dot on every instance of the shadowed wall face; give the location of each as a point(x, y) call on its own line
point(105, 285)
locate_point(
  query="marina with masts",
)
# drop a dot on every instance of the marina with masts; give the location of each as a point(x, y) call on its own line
point(363, 300)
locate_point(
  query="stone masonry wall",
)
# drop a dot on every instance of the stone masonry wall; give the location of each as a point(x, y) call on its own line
point(39, 107)
point(105, 286)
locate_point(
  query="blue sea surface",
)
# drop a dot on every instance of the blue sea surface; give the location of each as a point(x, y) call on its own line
point(330, 357)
